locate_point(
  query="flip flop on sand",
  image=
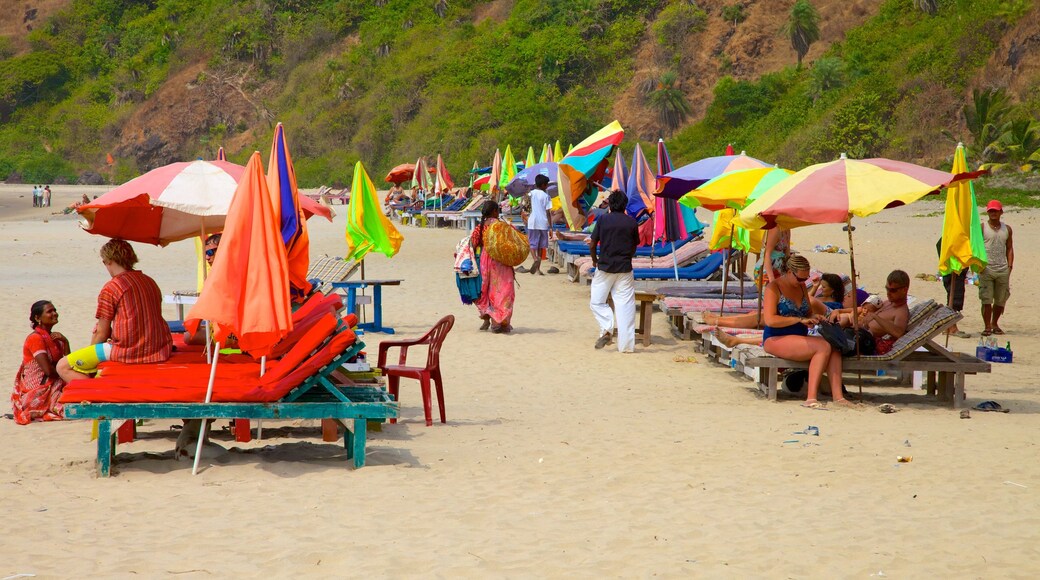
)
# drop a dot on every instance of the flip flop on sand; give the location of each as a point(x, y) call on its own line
point(814, 404)
point(998, 330)
point(987, 332)
point(991, 406)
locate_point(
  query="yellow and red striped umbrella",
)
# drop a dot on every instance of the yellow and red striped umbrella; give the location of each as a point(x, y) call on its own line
point(833, 192)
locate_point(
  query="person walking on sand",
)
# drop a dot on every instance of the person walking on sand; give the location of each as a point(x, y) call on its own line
point(995, 280)
point(498, 282)
point(614, 241)
point(538, 222)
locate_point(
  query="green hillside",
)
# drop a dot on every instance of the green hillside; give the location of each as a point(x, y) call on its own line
point(385, 81)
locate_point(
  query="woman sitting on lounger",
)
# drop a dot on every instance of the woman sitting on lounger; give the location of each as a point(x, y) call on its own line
point(788, 312)
point(37, 386)
point(130, 326)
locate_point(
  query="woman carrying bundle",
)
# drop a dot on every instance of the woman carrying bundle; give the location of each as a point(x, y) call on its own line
point(498, 289)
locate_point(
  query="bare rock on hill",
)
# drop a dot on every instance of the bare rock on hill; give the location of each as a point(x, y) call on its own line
point(14, 177)
point(61, 180)
point(90, 178)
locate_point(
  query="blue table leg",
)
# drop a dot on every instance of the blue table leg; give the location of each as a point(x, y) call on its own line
point(360, 438)
point(104, 448)
point(377, 313)
point(351, 300)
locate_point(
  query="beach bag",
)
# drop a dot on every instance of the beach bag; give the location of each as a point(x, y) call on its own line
point(505, 245)
point(466, 263)
point(844, 339)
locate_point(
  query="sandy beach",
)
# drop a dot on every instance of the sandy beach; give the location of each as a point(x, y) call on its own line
point(557, 459)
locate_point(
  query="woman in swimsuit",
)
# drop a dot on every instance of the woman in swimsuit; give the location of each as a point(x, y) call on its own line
point(788, 313)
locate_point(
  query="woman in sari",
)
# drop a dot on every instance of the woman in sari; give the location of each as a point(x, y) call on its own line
point(498, 288)
point(37, 385)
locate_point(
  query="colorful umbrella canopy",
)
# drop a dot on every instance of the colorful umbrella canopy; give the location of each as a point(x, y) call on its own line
point(833, 192)
point(677, 183)
point(421, 177)
point(482, 182)
point(368, 229)
point(247, 291)
point(734, 189)
point(508, 168)
point(962, 243)
point(496, 172)
point(171, 203)
point(619, 177)
point(281, 180)
point(585, 164)
point(400, 174)
point(641, 185)
point(524, 180)
point(668, 220)
point(443, 179)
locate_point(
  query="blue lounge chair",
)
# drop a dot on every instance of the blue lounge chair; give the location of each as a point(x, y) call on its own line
point(696, 271)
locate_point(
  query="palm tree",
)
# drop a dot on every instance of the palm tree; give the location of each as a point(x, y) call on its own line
point(802, 27)
point(669, 102)
point(1019, 140)
point(985, 116)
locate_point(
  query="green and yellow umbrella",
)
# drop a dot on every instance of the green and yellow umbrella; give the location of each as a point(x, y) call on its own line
point(962, 244)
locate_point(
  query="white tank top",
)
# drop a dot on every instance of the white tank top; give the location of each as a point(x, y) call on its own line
point(996, 247)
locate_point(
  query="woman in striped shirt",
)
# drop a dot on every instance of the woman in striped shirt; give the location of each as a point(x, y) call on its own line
point(130, 326)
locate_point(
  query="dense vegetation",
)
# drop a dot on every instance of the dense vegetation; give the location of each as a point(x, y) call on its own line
point(387, 80)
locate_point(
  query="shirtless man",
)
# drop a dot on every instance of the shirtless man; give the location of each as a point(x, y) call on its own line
point(888, 322)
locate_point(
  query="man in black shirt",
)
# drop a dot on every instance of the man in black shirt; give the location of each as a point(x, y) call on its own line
point(614, 240)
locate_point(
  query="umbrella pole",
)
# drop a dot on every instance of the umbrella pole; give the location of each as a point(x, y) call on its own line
point(725, 272)
point(855, 306)
point(743, 266)
point(202, 429)
point(675, 262)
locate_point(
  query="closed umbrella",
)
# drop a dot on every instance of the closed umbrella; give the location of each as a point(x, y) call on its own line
point(640, 186)
point(221, 156)
point(668, 220)
point(281, 181)
point(247, 291)
point(619, 178)
point(508, 168)
point(962, 244)
point(368, 229)
point(530, 157)
point(496, 173)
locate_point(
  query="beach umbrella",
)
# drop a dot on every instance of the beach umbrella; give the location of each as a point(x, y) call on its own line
point(668, 219)
point(508, 168)
point(281, 181)
point(546, 154)
point(734, 189)
point(729, 149)
point(585, 164)
point(524, 180)
point(619, 177)
point(443, 178)
point(172, 203)
point(368, 229)
point(641, 185)
point(400, 174)
point(473, 173)
point(677, 183)
point(836, 191)
point(530, 157)
point(557, 152)
point(221, 156)
point(962, 244)
point(247, 291)
point(496, 172)
point(421, 177)
point(482, 182)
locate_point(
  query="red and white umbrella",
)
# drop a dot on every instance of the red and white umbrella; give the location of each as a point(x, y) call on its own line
point(171, 203)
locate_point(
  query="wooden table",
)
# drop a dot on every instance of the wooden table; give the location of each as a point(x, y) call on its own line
point(352, 286)
point(645, 309)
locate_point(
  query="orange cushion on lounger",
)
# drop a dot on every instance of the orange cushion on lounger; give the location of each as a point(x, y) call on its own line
point(303, 348)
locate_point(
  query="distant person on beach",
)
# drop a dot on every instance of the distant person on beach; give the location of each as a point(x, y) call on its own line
point(498, 281)
point(613, 244)
point(788, 312)
point(37, 386)
point(210, 254)
point(37, 192)
point(130, 327)
point(995, 280)
point(538, 222)
point(47, 196)
point(775, 251)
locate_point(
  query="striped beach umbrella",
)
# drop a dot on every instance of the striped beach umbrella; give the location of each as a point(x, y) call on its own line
point(641, 185)
point(679, 182)
point(585, 164)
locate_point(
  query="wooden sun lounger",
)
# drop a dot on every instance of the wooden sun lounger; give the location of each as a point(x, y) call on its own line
point(915, 351)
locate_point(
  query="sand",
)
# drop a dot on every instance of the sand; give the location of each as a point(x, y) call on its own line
point(556, 458)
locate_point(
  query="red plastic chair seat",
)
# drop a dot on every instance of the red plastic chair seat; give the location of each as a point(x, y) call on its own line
point(425, 375)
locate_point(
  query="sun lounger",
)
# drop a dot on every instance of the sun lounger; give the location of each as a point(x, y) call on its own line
point(915, 351)
point(677, 308)
point(684, 255)
point(326, 270)
point(456, 212)
point(710, 264)
point(580, 248)
point(299, 386)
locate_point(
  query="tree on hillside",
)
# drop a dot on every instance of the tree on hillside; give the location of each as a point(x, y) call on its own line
point(929, 7)
point(802, 27)
point(669, 102)
point(985, 117)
